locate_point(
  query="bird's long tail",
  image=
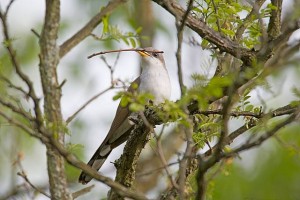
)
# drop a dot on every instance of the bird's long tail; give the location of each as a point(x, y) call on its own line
point(96, 162)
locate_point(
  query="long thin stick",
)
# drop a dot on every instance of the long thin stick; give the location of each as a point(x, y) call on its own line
point(113, 51)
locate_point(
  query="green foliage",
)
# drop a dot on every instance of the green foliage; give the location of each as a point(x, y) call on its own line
point(295, 103)
point(71, 171)
point(224, 16)
point(266, 12)
point(296, 92)
point(274, 176)
point(173, 111)
point(206, 129)
point(72, 148)
point(221, 15)
point(203, 90)
point(135, 101)
point(112, 32)
point(244, 104)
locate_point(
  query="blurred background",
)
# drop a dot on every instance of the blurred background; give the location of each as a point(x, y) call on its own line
point(271, 171)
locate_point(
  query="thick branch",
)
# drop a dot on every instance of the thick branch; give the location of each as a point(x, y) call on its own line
point(126, 165)
point(49, 58)
point(274, 27)
point(89, 27)
point(200, 27)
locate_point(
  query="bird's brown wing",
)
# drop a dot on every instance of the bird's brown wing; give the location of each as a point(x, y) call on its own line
point(118, 133)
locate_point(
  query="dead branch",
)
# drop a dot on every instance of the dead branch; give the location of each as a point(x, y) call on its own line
point(120, 50)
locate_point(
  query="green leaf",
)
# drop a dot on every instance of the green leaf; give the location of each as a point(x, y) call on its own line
point(118, 96)
point(133, 43)
point(295, 103)
point(125, 40)
point(139, 30)
point(124, 101)
point(134, 85)
point(135, 107)
point(74, 147)
point(249, 108)
point(105, 23)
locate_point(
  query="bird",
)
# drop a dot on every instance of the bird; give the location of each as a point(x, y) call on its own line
point(154, 79)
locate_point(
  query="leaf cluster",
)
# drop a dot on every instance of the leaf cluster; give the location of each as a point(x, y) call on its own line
point(136, 101)
point(226, 17)
point(112, 32)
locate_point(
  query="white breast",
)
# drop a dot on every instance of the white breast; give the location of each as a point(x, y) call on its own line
point(155, 80)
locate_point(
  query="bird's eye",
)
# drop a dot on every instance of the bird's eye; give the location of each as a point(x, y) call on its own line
point(154, 54)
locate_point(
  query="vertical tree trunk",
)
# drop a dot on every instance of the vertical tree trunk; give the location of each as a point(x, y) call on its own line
point(49, 59)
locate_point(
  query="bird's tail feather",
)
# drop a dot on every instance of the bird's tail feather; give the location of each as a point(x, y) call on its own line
point(96, 162)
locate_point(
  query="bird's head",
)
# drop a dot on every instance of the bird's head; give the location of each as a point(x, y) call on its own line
point(152, 57)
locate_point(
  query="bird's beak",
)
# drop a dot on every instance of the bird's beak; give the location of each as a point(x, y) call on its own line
point(143, 53)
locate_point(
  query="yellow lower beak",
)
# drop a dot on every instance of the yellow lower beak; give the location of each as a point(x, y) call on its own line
point(143, 53)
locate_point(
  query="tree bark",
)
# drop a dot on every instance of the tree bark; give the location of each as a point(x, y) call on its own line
point(49, 59)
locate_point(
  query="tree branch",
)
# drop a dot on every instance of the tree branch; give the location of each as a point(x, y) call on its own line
point(180, 23)
point(289, 109)
point(184, 162)
point(264, 137)
point(89, 27)
point(13, 57)
point(200, 27)
point(274, 27)
point(16, 110)
point(126, 164)
point(117, 187)
point(87, 103)
point(24, 176)
point(49, 59)
point(71, 159)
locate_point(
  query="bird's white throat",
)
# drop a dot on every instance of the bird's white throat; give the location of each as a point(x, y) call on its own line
point(155, 80)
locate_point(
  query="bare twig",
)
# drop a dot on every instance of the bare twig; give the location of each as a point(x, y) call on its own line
point(16, 110)
point(157, 169)
point(232, 113)
point(22, 126)
point(82, 191)
point(24, 176)
point(8, 7)
point(69, 119)
point(111, 68)
point(264, 137)
point(18, 191)
point(17, 67)
point(164, 161)
point(180, 23)
point(35, 33)
point(119, 50)
point(183, 164)
point(12, 85)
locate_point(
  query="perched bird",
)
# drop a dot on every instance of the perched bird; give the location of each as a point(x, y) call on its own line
point(155, 80)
